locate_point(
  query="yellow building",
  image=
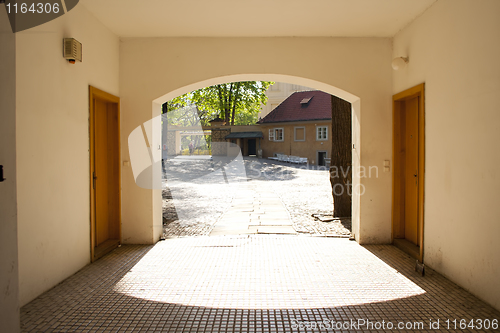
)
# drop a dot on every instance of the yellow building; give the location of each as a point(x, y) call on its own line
point(300, 126)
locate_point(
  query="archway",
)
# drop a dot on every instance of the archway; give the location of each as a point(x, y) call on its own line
point(354, 100)
point(353, 69)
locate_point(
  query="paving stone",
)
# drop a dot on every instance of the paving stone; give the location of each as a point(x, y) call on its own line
point(275, 229)
point(294, 191)
point(276, 222)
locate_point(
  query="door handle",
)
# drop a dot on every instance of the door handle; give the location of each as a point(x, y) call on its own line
point(94, 179)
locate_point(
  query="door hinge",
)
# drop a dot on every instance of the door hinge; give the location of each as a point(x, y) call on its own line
point(93, 179)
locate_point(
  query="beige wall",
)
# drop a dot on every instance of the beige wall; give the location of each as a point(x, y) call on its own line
point(356, 69)
point(9, 302)
point(289, 146)
point(244, 128)
point(53, 145)
point(454, 48)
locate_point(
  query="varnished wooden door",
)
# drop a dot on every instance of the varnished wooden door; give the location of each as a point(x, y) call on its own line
point(105, 172)
point(101, 174)
point(408, 171)
point(411, 170)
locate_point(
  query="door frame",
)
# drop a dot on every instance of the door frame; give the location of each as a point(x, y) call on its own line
point(248, 146)
point(94, 94)
point(317, 156)
point(397, 186)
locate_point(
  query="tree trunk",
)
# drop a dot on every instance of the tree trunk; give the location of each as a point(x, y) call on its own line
point(221, 101)
point(228, 101)
point(223, 98)
point(341, 158)
point(229, 96)
point(235, 102)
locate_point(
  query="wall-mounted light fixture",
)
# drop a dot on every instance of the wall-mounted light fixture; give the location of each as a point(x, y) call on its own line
point(399, 62)
point(72, 50)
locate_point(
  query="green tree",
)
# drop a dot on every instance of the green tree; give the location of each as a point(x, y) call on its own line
point(238, 103)
point(181, 111)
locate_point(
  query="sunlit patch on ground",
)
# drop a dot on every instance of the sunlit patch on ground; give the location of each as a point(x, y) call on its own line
point(259, 272)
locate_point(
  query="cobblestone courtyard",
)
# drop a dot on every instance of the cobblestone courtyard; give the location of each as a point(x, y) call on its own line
point(195, 206)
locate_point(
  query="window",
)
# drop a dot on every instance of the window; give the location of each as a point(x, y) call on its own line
point(299, 133)
point(276, 134)
point(271, 134)
point(305, 100)
point(321, 133)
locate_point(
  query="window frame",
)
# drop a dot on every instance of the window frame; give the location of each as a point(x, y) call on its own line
point(295, 133)
point(282, 134)
point(318, 131)
point(271, 134)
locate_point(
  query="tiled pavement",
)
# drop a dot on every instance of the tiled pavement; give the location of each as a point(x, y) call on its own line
point(296, 191)
point(253, 283)
point(254, 210)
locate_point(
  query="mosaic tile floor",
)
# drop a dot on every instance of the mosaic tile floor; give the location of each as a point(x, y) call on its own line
point(256, 283)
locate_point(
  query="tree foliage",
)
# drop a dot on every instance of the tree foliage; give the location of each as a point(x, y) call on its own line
point(237, 103)
point(181, 111)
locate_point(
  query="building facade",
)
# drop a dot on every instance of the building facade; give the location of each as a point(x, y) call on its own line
point(300, 126)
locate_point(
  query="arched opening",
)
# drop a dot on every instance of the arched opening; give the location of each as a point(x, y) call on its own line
point(354, 100)
point(352, 70)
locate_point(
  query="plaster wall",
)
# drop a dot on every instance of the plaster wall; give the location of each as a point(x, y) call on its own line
point(244, 128)
point(52, 135)
point(305, 148)
point(453, 47)
point(9, 286)
point(154, 70)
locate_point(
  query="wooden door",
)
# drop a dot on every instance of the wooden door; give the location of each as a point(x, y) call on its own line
point(408, 171)
point(105, 172)
point(252, 144)
point(321, 158)
point(101, 177)
point(411, 170)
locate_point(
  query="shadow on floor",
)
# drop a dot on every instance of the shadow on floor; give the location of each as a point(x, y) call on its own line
point(89, 302)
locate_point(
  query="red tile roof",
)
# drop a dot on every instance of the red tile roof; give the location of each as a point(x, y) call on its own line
point(297, 107)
